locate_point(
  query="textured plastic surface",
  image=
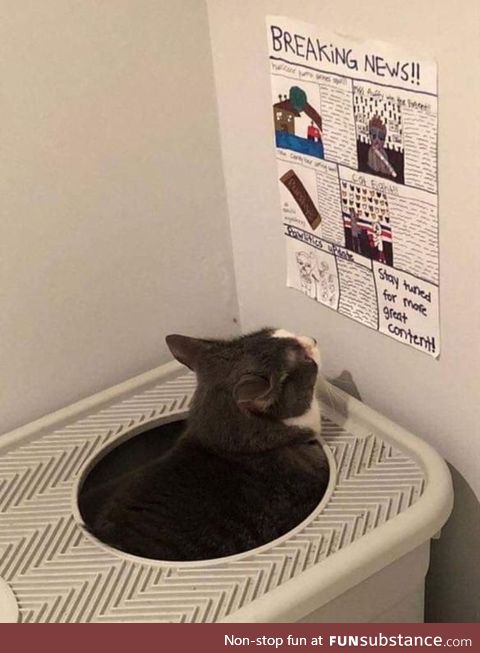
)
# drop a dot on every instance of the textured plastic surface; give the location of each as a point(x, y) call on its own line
point(8, 604)
point(390, 493)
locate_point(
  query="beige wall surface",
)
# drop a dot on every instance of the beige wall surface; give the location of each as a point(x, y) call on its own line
point(114, 228)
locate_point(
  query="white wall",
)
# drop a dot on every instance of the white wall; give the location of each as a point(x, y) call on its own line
point(113, 215)
point(437, 399)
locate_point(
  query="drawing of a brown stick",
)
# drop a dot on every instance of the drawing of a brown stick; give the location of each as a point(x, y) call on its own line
point(300, 194)
point(313, 115)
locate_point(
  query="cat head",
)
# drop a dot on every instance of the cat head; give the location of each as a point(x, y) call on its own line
point(270, 373)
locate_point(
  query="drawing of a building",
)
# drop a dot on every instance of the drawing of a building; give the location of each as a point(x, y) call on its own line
point(284, 115)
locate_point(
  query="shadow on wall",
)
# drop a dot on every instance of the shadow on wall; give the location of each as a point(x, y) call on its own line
point(453, 580)
point(452, 592)
point(346, 383)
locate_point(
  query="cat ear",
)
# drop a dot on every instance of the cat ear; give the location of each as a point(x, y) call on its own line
point(185, 349)
point(253, 393)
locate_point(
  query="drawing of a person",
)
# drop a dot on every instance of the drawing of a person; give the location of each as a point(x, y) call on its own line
point(313, 132)
point(356, 231)
point(309, 273)
point(324, 287)
point(332, 290)
point(378, 241)
point(377, 155)
point(366, 243)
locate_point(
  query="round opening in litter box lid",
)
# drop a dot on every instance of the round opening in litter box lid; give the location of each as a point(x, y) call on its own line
point(134, 449)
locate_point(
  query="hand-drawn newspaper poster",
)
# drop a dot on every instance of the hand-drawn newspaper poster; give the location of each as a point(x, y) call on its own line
point(356, 143)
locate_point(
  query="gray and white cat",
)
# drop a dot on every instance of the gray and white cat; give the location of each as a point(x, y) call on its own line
point(248, 467)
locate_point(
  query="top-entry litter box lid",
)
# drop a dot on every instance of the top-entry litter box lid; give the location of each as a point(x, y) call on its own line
point(389, 493)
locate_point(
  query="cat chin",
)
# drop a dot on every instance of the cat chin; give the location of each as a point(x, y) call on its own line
point(309, 420)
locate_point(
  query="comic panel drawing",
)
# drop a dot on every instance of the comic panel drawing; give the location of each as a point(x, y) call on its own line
point(366, 222)
point(299, 196)
point(327, 286)
point(313, 272)
point(378, 123)
point(296, 116)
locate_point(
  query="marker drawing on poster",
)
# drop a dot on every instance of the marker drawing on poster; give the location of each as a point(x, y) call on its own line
point(355, 127)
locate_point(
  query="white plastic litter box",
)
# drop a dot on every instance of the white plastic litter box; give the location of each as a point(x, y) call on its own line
point(361, 556)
